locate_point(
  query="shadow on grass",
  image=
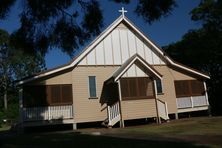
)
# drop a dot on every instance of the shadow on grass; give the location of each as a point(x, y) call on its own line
point(82, 141)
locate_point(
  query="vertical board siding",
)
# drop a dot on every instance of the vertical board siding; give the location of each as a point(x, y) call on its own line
point(156, 59)
point(134, 71)
point(118, 46)
point(131, 71)
point(91, 58)
point(108, 50)
point(131, 41)
point(99, 54)
point(124, 44)
point(83, 62)
point(139, 72)
point(140, 49)
point(148, 54)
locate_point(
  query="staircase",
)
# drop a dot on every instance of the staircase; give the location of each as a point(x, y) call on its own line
point(113, 112)
point(163, 110)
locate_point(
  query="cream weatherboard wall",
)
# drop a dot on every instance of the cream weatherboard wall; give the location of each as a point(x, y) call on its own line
point(85, 108)
point(141, 108)
point(64, 77)
point(118, 46)
point(169, 95)
point(89, 110)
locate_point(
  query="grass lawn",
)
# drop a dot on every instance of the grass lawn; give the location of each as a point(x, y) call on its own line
point(192, 132)
point(4, 127)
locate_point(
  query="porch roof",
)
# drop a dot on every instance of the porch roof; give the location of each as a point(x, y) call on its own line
point(140, 62)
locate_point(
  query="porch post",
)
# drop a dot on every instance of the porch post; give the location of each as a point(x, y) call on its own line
point(206, 96)
point(120, 107)
point(74, 126)
point(157, 110)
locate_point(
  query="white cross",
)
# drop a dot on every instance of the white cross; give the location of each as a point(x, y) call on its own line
point(122, 11)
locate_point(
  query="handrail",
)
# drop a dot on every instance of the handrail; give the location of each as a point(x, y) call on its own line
point(161, 101)
point(163, 109)
point(113, 113)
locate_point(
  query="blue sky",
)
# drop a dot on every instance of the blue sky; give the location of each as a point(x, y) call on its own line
point(163, 32)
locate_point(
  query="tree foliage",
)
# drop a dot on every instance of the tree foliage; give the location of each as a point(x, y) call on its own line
point(68, 24)
point(202, 48)
point(5, 6)
point(14, 64)
point(152, 10)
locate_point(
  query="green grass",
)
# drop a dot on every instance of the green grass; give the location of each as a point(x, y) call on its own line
point(192, 132)
point(4, 127)
point(191, 126)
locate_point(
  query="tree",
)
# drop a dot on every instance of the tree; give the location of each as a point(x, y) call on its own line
point(15, 64)
point(68, 24)
point(5, 71)
point(202, 48)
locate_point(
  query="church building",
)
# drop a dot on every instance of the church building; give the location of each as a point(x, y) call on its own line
point(121, 75)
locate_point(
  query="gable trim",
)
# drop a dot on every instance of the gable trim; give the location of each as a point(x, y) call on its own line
point(120, 71)
point(187, 68)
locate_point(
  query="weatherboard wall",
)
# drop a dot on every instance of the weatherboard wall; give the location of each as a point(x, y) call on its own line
point(88, 109)
point(169, 76)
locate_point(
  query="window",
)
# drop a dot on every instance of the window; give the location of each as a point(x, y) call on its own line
point(197, 88)
point(34, 95)
point(136, 88)
point(46, 95)
point(60, 94)
point(92, 87)
point(187, 88)
point(55, 94)
point(182, 88)
point(159, 87)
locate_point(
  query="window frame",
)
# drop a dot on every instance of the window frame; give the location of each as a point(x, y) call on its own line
point(61, 95)
point(190, 90)
point(137, 97)
point(89, 86)
point(47, 99)
point(161, 86)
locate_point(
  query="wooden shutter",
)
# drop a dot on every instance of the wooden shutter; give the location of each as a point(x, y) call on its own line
point(187, 88)
point(55, 94)
point(182, 88)
point(66, 93)
point(142, 87)
point(149, 88)
point(124, 87)
point(132, 84)
point(197, 88)
point(136, 88)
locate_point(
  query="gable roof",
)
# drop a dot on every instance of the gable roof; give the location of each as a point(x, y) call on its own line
point(88, 48)
point(137, 59)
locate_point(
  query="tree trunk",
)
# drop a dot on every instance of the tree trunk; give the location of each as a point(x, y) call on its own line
point(5, 100)
point(5, 93)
